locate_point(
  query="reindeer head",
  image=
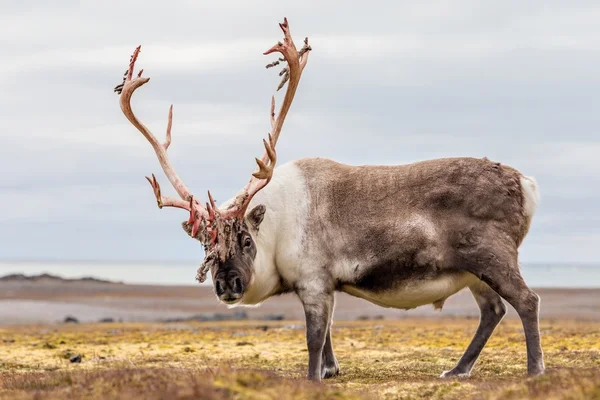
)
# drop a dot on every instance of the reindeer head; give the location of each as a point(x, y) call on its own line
point(228, 234)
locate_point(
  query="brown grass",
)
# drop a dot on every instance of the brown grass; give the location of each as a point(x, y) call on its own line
point(257, 360)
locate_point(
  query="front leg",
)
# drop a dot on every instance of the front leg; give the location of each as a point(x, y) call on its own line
point(318, 308)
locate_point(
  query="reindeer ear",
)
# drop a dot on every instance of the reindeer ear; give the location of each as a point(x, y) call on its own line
point(256, 215)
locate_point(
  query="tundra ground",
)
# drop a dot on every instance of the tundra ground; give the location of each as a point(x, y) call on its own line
point(263, 360)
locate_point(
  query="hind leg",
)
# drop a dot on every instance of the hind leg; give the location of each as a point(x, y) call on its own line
point(501, 273)
point(329, 364)
point(492, 311)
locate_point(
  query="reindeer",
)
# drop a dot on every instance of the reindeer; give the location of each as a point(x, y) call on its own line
point(398, 236)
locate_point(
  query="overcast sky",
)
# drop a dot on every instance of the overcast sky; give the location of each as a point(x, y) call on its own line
point(387, 83)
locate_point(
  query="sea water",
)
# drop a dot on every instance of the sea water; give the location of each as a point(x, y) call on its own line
point(183, 272)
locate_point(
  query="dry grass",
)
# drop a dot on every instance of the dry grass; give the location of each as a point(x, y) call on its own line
point(379, 359)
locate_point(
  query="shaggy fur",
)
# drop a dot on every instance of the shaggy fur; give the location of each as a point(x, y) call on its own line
point(398, 236)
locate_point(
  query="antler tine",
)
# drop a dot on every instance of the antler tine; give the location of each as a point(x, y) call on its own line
point(303, 53)
point(126, 90)
point(286, 77)
point(266, 171)
point(193, 215)
point(169, 124)
point(272, 112)
point(166, 201)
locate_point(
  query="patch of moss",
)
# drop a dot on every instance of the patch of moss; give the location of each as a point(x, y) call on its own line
point(382, 359)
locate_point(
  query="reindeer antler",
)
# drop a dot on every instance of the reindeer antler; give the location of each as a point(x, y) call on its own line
point(125, 90)
point(214, 225)
point(296, 61)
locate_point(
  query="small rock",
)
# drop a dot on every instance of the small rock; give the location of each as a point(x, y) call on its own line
point(76, 358)
point(71, 319)
point(369, 317)
point(244, 344)
point(293, 327)
point(66, 354)
point(236, 316)
point(107, 320)
point(274, 317)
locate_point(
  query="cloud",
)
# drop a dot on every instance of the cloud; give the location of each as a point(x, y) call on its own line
point(387, 83)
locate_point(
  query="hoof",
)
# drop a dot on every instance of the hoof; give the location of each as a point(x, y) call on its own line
point(329, 371)
point(535, 373)
point(454, 374)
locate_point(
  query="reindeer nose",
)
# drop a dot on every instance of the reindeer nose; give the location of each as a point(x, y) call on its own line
point(220, 285)
point(236, 285)
point(229, 287)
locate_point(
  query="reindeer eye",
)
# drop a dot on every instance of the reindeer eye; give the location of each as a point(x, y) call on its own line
point(247, 242)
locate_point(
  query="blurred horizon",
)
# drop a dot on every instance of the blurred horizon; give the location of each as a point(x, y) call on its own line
point(156, 272)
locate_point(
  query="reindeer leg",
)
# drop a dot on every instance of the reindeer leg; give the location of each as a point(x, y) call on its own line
point(329, 364)
point(501, 273)
point(492, 311)
point(318, 307)
point(526, 302)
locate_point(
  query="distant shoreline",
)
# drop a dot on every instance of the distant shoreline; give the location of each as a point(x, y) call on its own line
point(46, 277)
point(45, 299)
point(175, 273)
point(50, 277)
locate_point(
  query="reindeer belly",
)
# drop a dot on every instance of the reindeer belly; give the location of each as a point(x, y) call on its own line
point(413, 293)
